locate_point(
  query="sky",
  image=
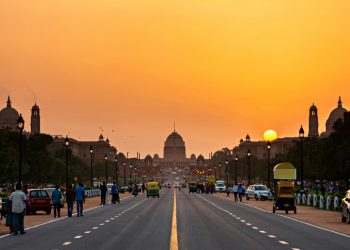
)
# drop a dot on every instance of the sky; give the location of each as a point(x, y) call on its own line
point(218, 69)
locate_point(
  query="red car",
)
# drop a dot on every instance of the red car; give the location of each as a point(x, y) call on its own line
point(38, 200)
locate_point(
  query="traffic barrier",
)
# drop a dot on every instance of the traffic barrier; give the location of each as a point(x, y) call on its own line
point(336, 203)
point(321, 202)
point(309, 198)
point(303, 199)
point(298, 199)
point(315, 200)
point(328, 203)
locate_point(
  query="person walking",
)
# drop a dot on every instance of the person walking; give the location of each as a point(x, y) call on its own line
point(70, 200)
point(114, 191)
point(18, 205)
point(235, 192)
point(80, 198)
point(103, 190)
point(56, 201)
point(241, 191)
point(7, 209)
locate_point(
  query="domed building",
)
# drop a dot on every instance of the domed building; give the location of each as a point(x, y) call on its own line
point(337, 113)
point(8, 117)
point(174, 148)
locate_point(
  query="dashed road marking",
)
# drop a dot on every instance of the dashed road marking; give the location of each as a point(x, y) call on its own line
point(248, 224)
point(87, 232)
point(78, 237)
point(283, 242)
point(101, 224)
point(67, 243)
point(263, 232)
point(107, 221)
point(242, 220)
point(94, 228)
point(256, 228)
point(272, 236)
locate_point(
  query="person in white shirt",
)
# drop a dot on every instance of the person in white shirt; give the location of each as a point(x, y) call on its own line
point(18, 199)
point(235, 192)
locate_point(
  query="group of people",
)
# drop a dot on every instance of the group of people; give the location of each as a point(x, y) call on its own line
point(114, 191)
point(238, 191)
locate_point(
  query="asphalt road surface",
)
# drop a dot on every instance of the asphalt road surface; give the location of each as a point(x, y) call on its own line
point(203, 222)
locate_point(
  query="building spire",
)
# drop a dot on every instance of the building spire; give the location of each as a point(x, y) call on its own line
point(8, 102)
point(340, 104)
point(174, 127)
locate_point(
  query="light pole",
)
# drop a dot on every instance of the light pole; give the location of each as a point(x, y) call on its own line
point(135, 173)
point(20, 125)
point(91, 154)
point(66, 142)
point(226, 173)
point(106, 159)
point(236, 161)
point(301, 136)
point(268, 163)
point(124, 165)
point(215, 172)
point(130, 174)
point(220, 170)
point(248, 154)
point(116, 169)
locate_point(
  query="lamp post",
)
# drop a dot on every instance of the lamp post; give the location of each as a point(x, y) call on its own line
point(236, 160)
point(91, 154)
point(66, 143)
point(124, 165)
point(215, 172)
point(301, 136)
point(220, 170)
point(20, 125)
point(106, 160)
point(248, 154)
point(116, 169)
point(226, 173)
point(130, 174)
point(135, 173)
point(268, 163)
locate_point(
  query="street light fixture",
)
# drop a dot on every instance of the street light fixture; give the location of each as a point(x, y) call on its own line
point(220, 170)
point(130, 173)
point(106, 158)
point(124, 165)
point(20, 125)
point(236, 160)
point(268, 163)
point(226, 173)
point(301, 136)
point(215, 172)
point(66, 143)
point(116, 169)
point(91, 154)
point(248, 154)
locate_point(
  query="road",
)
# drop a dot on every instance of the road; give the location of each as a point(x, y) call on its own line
point(203, 222)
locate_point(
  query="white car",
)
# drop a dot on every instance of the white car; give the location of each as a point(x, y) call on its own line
point(345, 208)
point(259, 192)
point(220, 186)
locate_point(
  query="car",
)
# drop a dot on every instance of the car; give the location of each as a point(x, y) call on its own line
point(345, 208)
point(259, 192)
point(220, 186)
point(38, 200)
point(176, 184)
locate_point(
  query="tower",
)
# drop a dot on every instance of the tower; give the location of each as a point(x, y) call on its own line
point(35, 120)
point(313, 122)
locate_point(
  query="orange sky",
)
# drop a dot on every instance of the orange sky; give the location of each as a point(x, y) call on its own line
point(220, 69)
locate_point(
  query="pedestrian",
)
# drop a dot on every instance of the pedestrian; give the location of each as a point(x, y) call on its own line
point(227, 191)
point(143, 187)
point(7, 210)
point(80, 198)
point(18, 205)
point(56, 201)
point(103, 190)
point(235, 192)
point(240, 191)
point(114, 191)
point(70, 200)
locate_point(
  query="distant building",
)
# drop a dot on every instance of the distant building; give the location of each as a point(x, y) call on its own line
point(35, 120)
point(313, 122)
point(337, 113)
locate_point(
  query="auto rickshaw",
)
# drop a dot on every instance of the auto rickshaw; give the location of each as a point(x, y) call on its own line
point(152, 189)
point(284, 199)
point(192, 187)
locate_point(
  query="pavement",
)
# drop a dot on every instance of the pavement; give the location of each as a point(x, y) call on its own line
point(327, 219)
point(202, 222)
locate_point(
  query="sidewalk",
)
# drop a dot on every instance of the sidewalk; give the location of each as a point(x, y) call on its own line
point(41, 217)
point(318, 217)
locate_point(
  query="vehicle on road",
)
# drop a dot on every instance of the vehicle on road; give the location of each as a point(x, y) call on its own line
point(259, 192)
point(192, 187)
point(220, 186)
point(152, 189)
point(176, 184)
point(38, 200)
point(345, 208)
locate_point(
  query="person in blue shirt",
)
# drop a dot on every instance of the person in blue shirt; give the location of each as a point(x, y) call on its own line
point(241, 191)
point(56, 201)
point(115, 193)
point(80, 198)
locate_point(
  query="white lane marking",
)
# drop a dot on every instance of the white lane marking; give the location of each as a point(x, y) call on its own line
point(78, 237)
point(295, 248)
point(101, 224)
point(107, 221)
point(263, 232)
point(242, 220)
point(256, 228)
point(62, 218)
point(272, 236)
point(248, 224)
point(116, 216)
point(283, 242)
point(67, 243)
point(123, 212)
point(94, 228)
point(238, 218)
point(87, 232)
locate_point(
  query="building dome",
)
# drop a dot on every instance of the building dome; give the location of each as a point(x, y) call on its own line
point(174, 147)
point(8, 116)
point(337, 113)
point(174, 136)
point(193, 157)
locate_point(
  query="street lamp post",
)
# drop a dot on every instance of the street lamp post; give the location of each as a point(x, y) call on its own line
point(106, 159)
point(268, 163)
point(220, 170)
point(91, 154)
point(66, 142)
point(130, 174)
point(301, 136)
point(236, 160)
point(20, 125)
point(226, 173)
point(124, 165)
point(248, 154)
point(116, 169)
point(215, 172)
point(135, 173)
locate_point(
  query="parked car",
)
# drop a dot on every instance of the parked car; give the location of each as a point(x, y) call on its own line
point(259, 192)
point(124, 189)
point(345, 208)
point(38, 200)
point(220, 186)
